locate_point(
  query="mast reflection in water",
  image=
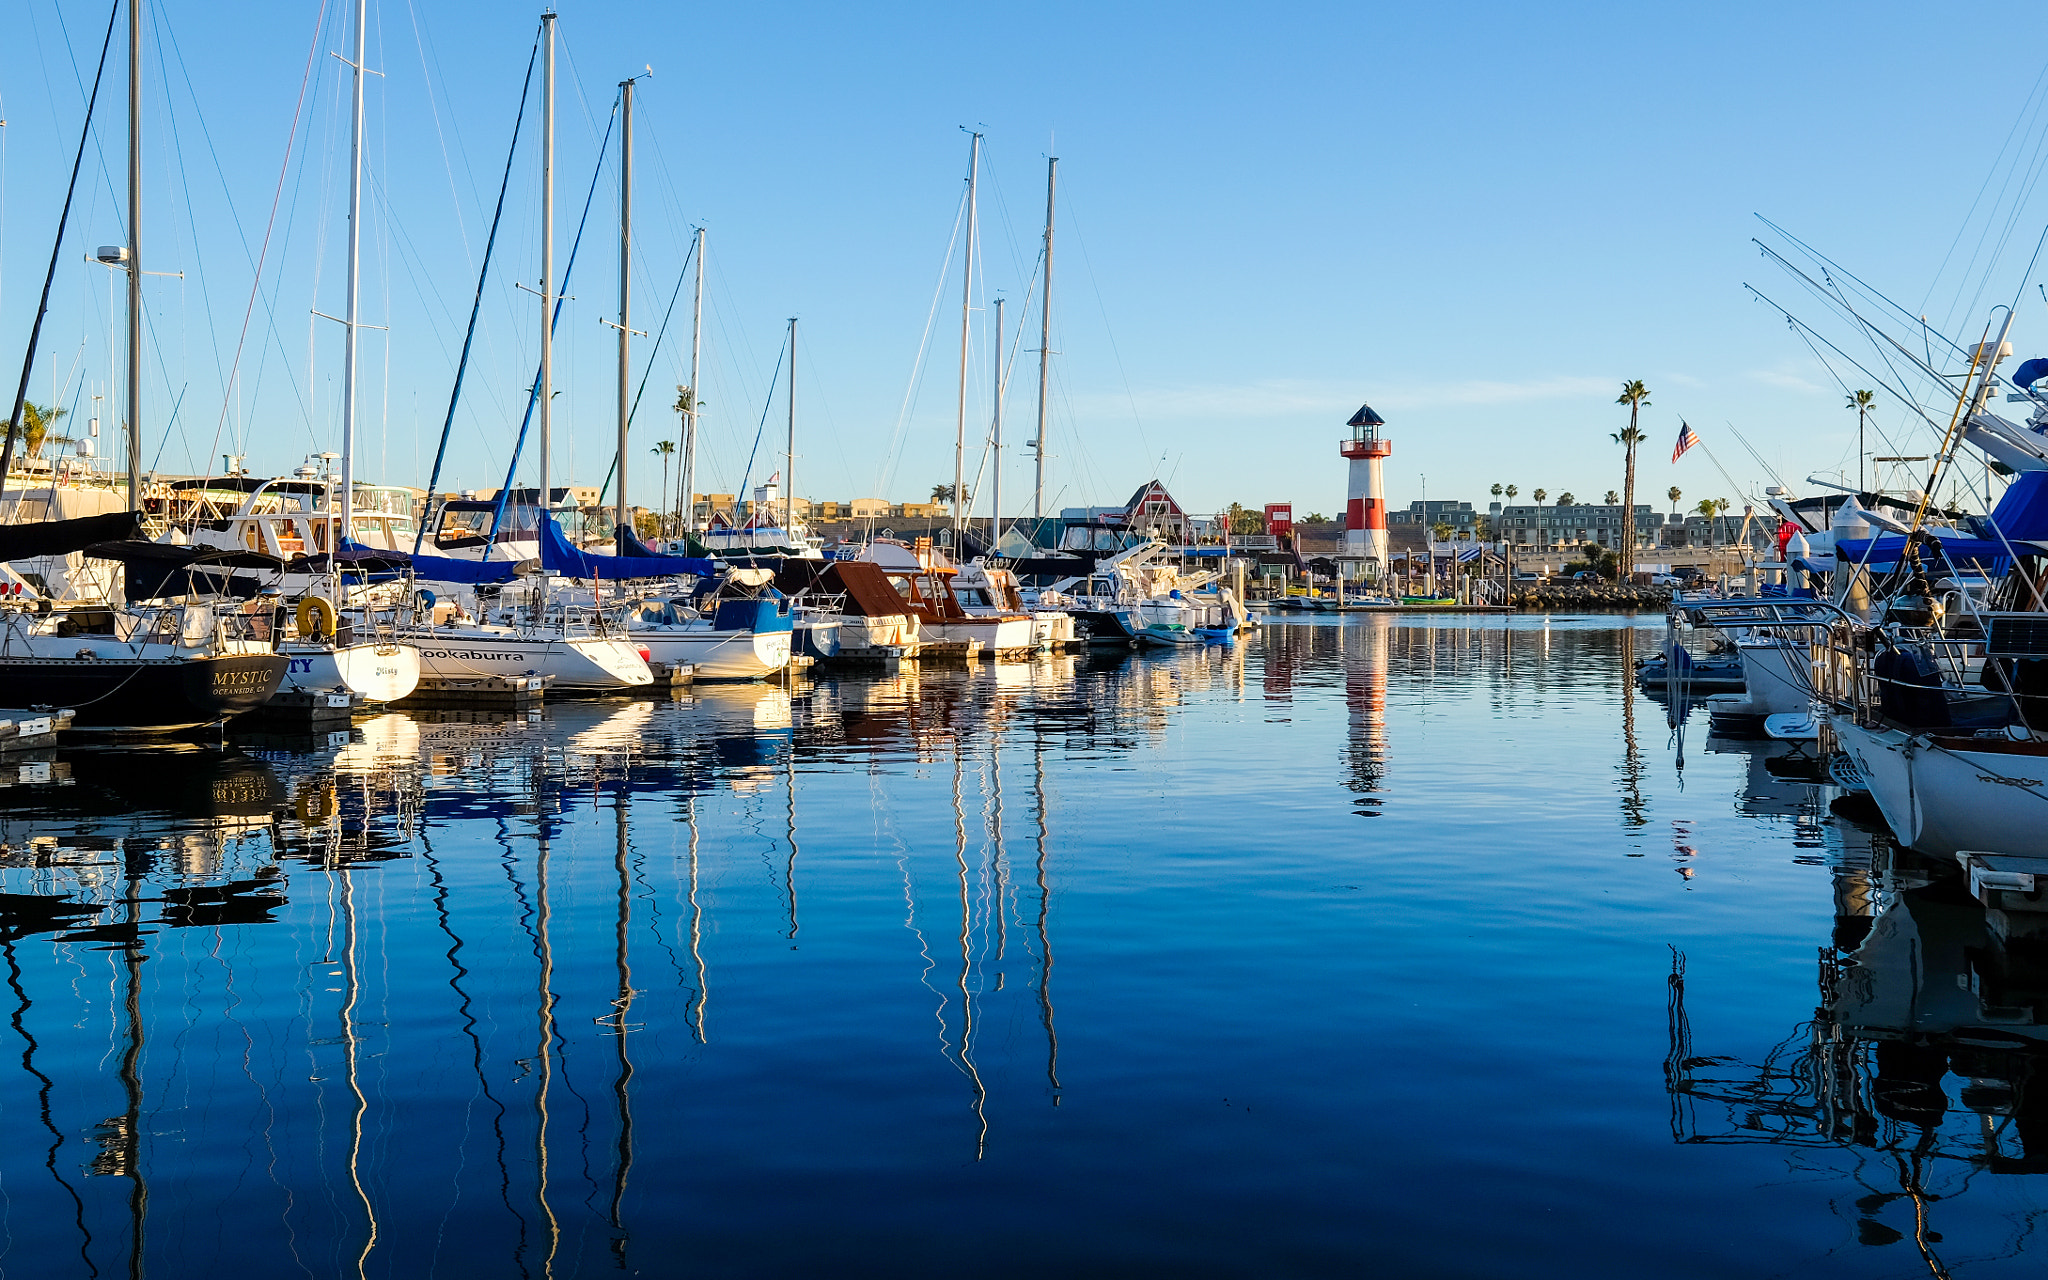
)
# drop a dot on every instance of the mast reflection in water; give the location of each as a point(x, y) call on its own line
point(1077, 964)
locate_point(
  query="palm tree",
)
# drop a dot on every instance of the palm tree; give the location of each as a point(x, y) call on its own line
point(1611, 498)
point(1511, 492)
point(942, 494)
point(1440, 531)
point(1635, 395)
point(1497, 488)
point(34, 432)
point(1862, 402)
point(1674, 493)
point(1539, 495)
point(1564, 499)
point(664, 448)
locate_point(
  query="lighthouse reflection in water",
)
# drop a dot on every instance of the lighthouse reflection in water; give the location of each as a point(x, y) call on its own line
point(1355, 947)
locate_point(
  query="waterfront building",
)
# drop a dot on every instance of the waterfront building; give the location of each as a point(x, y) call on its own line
point(1426, 515)
point(1724, 530)
point(1539, 526)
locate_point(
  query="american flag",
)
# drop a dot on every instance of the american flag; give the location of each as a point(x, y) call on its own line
point(1687, 438)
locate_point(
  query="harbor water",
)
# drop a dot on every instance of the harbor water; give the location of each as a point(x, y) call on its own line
point(1372, 945)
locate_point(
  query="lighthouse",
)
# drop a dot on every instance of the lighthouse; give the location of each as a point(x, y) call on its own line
point(1365, 512)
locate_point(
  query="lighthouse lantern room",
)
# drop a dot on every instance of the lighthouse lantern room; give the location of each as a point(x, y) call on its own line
point(1365, 511)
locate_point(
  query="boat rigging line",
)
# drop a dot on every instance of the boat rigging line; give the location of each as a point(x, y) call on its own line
point(903, 412)
point(767, 403)
point(682, 278)
point(533, 395)
point(35, 333)
point(1798, 324)
point(483, 275)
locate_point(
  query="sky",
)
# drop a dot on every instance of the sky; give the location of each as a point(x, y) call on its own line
point(1479, 219)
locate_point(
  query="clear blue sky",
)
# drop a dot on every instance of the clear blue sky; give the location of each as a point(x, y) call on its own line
point(1478, 218)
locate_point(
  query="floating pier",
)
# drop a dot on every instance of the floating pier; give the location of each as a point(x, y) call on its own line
point(886, 656)
point(31, 730)
point(672, 675)
point(301, 710)
point(489, 693)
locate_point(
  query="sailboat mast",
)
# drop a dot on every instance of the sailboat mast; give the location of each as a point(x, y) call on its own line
point(547, 257)
point(789, 453)
point(335, 536)
point(1052, 166)
point(966, 311)
point(995, 522)
point(688, 497)
point(625, 284)
point(135, 255)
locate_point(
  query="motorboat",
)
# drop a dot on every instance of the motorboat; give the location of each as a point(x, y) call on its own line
point(922, 578)
point(986, 590)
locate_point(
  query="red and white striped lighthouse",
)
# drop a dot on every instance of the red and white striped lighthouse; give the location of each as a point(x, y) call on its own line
point(1365, 514)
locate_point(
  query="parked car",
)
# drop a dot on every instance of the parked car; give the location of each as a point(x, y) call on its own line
point(1585, 575)
point(1665, 580)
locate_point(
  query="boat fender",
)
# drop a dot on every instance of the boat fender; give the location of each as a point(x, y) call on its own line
point(316, 616)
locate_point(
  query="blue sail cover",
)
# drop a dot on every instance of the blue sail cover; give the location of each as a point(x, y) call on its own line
point(1982, 555)
point(558, 555)
point(2022, 513)
point(434, 568)
point(631, 546)
point(2030, 372)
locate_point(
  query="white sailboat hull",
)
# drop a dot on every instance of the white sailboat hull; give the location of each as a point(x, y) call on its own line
point(582, 663)
point(717, 655)
point(379, 673)
point(1939, 800)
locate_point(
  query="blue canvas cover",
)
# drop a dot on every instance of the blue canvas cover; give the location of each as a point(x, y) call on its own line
point(2022, 514)
point(467, 572)
point(558, 555)
point(1985, 555)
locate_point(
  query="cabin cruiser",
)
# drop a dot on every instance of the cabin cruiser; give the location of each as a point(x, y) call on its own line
point(1101, 617)
point(846, 606)
point(985, 590)
point(336, 622)
point(922, 577)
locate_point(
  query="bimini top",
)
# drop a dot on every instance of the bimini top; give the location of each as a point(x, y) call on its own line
point(62, 537)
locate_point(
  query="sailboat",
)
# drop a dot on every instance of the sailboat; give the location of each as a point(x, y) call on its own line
point(323, 657)
point(501, 619)
point(172, 656)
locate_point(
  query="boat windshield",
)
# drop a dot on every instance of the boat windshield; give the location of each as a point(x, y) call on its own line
point(652, 613)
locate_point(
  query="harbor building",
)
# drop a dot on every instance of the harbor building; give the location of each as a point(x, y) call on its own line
point(1602, 525)
point(1427, 515)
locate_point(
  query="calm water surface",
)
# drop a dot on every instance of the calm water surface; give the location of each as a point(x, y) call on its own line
point(1382, 946)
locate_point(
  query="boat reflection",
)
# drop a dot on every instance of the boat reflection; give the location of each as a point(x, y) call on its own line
point(1925, 1062)
point(500, 933)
